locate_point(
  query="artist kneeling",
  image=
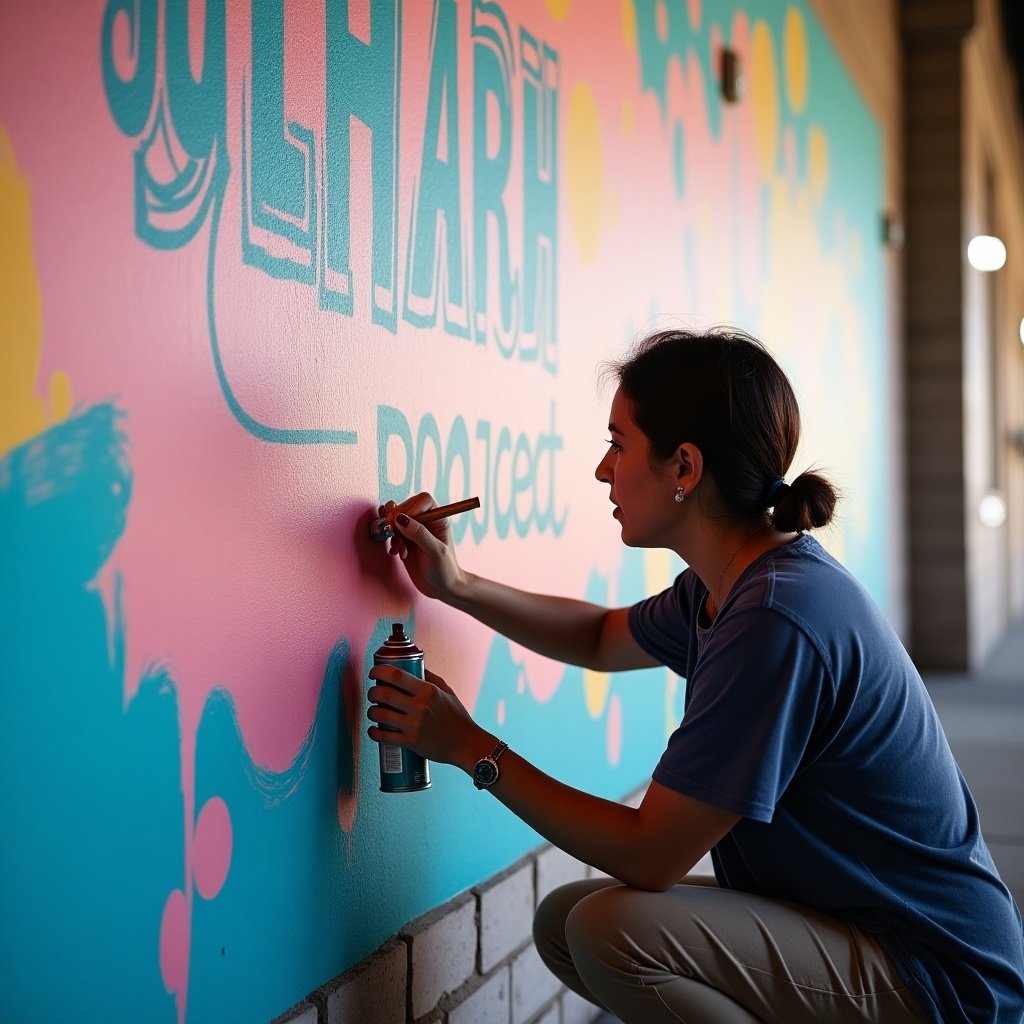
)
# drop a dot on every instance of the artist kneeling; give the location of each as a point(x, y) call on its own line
point(853, 880)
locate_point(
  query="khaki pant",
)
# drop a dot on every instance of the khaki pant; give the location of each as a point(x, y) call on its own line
point(698, 954)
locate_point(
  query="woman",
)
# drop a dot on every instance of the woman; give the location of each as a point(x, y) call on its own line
point(853, 880)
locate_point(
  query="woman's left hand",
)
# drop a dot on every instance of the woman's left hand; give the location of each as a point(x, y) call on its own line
point(426, 716)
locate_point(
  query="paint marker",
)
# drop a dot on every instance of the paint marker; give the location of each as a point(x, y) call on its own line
point(381, 529)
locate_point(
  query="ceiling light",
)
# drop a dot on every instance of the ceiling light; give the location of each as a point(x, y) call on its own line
point(986, 252)
point(992, 509)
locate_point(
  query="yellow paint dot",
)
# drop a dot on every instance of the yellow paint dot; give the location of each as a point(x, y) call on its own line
point(629, 24)
point(764, 93)
point(60, 396)
point(595, 691)
point(795, 55)
point(22, 411)
point(817, 162)
point(584, 171)
point(559, 9)
point(628, 119)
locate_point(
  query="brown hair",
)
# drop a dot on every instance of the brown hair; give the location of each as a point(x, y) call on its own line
point(721, 391)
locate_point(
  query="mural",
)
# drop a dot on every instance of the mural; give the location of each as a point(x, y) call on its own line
point(266, 264)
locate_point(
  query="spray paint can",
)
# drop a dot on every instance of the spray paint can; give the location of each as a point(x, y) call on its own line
point(401, 771)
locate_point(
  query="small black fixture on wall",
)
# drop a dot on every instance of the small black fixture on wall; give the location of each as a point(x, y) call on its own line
point(733, 83)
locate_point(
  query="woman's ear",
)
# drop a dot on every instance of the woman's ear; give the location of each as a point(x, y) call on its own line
point(688, 465)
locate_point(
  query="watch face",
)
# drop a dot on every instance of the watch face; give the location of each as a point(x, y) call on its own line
point(485, 773)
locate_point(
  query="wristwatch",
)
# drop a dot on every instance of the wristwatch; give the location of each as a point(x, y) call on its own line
point(485, 772)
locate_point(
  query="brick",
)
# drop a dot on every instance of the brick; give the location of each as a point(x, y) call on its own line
point(555, 868)
point(372, 992)
point(442, 952)
point(303, 1013)
point(576, 1009)
point(506, 916)
point(533, 985)
point(489, 1004)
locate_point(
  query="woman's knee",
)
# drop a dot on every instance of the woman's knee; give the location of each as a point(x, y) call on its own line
point(552, 911)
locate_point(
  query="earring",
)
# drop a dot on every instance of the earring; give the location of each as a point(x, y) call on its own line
point(680, 494)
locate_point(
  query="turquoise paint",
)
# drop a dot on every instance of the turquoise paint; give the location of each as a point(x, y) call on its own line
point(541, 89)
point(281, 195)
point(434, 279)
point(515, 467)
point(196, 108)
point(362, 82)
point(92, 807)
point(493, 63)
point(198, 126)
point(281, 923)
point(130, 101)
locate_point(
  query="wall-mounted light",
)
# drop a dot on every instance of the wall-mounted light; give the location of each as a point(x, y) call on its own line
point(986, 252)
point(733, 83)
point(1022, 332)
point(892, 230)
point(992, 509)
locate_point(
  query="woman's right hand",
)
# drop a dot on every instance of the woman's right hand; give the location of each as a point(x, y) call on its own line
point(426, 551)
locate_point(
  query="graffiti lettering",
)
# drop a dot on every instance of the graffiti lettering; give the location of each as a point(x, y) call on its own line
point(514, 478)
point(295, 180)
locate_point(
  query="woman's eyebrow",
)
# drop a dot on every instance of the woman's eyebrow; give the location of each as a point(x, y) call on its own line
point(614, 429)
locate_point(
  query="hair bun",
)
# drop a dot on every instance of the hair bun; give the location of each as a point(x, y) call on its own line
point(808, 503)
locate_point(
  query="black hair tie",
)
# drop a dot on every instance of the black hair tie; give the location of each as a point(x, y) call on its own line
point(776, 490)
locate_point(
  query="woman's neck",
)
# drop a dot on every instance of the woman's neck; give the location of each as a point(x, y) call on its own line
point(724, 556)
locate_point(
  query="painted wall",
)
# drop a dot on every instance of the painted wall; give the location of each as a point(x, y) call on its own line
point(264, 265)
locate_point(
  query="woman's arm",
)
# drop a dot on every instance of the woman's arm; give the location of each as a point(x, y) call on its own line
point(650, 847)
point(568, 630)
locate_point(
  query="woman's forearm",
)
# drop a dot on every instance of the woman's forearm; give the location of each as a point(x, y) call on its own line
point(562, 628)
point(649, 847)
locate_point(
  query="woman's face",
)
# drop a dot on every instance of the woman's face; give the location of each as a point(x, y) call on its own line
point(644, 501)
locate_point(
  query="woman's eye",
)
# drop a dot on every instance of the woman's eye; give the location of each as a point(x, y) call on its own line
point(615, 447)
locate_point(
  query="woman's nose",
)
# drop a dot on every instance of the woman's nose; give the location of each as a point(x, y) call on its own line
point(601, 472)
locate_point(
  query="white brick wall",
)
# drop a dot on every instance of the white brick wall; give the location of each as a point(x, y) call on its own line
point(555, 868)
point(533, 985)
point(372, 992)
point(489, 1004)
point(576, 1009)
point(442, 953)
point(304, 1013)
point(470, 961)
point(506, 916)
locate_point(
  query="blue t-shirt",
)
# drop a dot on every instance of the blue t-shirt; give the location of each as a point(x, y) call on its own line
point(805, 715)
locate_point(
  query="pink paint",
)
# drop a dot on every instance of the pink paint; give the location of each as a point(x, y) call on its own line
point(211, 847)
point(174, 944)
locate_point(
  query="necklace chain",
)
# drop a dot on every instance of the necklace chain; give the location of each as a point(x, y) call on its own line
point(750, 537)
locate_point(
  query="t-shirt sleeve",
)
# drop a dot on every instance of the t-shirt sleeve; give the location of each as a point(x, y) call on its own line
point(757, 692)
point(661, 625)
